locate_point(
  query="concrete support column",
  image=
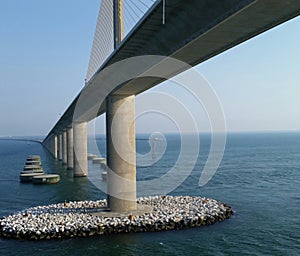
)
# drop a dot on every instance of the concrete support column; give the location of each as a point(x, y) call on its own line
point(64, 146)
point(70, 148)
point(60, 147)
point(54, 146)
point(80, 149)
point(121, 153)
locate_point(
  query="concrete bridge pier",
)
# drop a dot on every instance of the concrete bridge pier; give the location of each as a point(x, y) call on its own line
point(121, 153)
point(54, 146)
point(64, 147)
point(60, 156)
point(70, 148)
point(80, 149)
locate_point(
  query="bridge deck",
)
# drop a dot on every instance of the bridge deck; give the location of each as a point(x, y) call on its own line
point(194, 32)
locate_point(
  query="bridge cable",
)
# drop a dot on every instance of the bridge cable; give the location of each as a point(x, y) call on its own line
point(103, 43)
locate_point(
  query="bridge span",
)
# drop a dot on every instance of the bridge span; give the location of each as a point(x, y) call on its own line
point(191, 31)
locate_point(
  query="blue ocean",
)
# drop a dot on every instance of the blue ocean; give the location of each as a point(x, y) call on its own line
point(259, 177)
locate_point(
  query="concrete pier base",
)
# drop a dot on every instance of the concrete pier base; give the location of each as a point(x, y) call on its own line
point(121, 153)
point(168, 213)
point(70, 148)
point(80, 149)
point(64, 147)
point(54, 146)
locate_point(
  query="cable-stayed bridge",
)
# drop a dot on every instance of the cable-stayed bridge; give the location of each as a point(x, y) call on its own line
point(133, 42)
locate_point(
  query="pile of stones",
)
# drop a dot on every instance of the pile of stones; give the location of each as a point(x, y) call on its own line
point(82, 219)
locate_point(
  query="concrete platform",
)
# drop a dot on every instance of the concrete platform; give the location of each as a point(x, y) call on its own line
point(27, 177)
point(33, 162)
point(104, 175)
point(46, 179)
point(32, 167)
point(91, 156)
point(41, 171)
point(99, 160)
point(34, 158)
point(141, 210)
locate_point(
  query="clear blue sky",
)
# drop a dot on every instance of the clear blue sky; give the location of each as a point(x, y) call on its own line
point(44, 54)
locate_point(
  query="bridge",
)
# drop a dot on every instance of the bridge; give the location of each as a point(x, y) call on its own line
point(191, 31)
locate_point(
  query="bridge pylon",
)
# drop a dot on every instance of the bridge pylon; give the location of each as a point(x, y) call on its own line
point(120, 133)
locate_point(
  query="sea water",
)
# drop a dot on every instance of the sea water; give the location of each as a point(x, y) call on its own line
point(259, 177)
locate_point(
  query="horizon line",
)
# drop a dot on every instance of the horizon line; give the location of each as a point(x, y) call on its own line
point(170, 133)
